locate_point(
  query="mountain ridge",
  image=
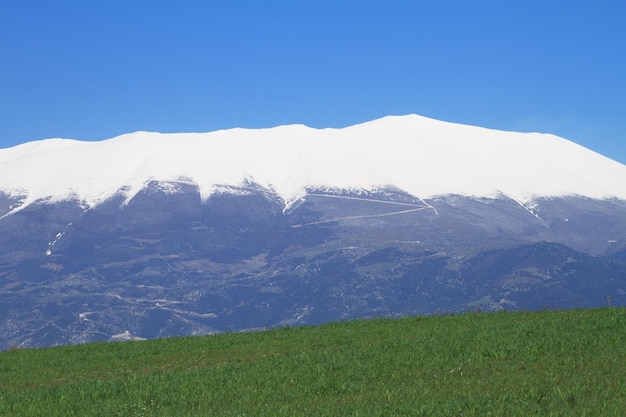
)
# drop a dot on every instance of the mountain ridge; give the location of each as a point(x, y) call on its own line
point(422, 156)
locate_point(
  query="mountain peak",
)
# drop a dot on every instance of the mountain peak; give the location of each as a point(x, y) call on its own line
point(422, 156)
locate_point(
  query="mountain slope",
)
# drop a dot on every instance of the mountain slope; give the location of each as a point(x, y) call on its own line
point(150, 235)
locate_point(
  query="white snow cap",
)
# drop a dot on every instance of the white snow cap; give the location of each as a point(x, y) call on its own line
point(421, 156)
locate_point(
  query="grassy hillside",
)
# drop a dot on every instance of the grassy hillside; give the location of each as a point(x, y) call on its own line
point(549, 363)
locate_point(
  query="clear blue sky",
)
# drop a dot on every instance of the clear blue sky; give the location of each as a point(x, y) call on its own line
point(91, 70)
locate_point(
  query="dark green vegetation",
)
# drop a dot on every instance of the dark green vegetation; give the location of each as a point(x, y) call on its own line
point(549, 363)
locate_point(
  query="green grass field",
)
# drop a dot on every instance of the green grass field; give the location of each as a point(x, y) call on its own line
point(549, 363)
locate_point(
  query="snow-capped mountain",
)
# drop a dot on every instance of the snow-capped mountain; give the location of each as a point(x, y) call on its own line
point(421, 156)
point(152, 235)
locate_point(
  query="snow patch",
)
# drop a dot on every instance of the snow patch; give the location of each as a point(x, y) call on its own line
point(125, 336)
point(57, 237)
point(531, 207)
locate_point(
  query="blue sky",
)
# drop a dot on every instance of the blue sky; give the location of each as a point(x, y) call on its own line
point(92, 70)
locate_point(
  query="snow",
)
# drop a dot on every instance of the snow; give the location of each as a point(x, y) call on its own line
point(124, 336)
point(422, 156)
